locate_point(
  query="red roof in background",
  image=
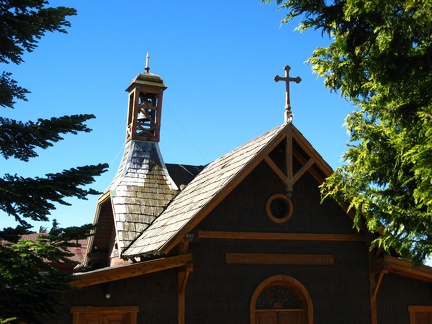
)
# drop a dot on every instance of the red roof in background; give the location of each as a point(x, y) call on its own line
point(78, 252)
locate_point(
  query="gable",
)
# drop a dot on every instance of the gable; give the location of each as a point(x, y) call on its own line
point(99, 245)
point(202, 194)
point(244, 209)
point(219, 178)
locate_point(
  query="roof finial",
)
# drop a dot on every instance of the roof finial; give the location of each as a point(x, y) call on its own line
point(147, 68)
point(287, 79)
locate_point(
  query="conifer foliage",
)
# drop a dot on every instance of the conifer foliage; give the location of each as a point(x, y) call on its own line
point(29, 286)
point(380, 59)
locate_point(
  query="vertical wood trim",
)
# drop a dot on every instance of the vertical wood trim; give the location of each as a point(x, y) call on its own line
point(75, 319)
point(374, 288)
point(133, 316)
point(183, 276)
point(374, 310)
point(378, 284)
point(180, 297)
point(289, 158)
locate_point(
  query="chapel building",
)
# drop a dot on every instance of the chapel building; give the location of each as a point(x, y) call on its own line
point(244, 239)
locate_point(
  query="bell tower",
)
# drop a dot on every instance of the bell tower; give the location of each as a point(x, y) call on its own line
point(145, 106)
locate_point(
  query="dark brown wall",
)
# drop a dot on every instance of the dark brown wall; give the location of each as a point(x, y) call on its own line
point(155, 294)
point(397, 293)
point(220, 293)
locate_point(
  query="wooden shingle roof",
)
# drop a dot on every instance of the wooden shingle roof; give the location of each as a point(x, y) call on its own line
point(209, 187)
point(140, 191)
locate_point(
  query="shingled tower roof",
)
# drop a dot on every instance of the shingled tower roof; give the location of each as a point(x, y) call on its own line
point(142, 187)
point(140, 191)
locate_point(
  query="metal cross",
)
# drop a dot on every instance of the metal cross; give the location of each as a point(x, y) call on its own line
point(287, 79)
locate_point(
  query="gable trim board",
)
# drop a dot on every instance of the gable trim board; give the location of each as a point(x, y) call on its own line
point(129, 270)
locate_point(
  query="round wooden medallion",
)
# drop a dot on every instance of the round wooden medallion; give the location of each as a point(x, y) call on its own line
point(279, 208)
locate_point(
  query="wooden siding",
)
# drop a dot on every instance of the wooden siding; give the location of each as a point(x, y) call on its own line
point(155, 295)
point(205, 191)
point(396, 293)
point(218, 292)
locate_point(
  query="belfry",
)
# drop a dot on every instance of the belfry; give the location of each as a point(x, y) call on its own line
point(145, 106)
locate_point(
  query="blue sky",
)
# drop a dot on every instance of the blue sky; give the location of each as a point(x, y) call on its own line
point(218, 59)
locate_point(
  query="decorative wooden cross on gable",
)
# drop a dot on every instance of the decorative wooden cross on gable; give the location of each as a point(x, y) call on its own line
point(288, 120)
point(287, 79)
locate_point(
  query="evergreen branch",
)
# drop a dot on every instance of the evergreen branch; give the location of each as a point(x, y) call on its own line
point(23, 23)
point(9, 91)
point(19, 140)
point(34, 198)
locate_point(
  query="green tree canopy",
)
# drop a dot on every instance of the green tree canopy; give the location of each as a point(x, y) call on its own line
point(380, 59)
point(29, 285)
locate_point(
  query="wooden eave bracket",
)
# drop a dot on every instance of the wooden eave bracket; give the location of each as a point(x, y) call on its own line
point(189, 267)
point(183, 277)
point(401, 267)
point(376, 284)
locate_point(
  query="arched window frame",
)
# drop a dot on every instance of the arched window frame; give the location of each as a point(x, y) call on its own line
point(285, 281)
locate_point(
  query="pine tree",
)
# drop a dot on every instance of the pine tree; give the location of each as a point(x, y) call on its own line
point(29, 285)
